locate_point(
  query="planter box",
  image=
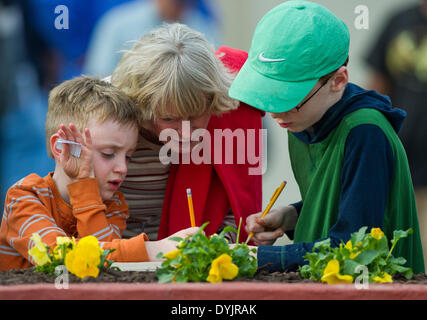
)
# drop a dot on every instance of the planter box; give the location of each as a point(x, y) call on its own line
point(233, 290)
point(221, 291)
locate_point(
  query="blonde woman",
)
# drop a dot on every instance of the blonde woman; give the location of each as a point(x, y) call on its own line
point(181, 84)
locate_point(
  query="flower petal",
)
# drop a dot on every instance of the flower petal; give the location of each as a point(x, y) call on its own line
point(377, 233)
point(333, 267)
point(386, 278)
point(172, 254)
point(229, 271)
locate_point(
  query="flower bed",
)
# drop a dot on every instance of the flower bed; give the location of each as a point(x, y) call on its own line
point(199, 259)
point(28, 276)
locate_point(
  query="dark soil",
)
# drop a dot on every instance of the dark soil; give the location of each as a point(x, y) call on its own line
point(29, 276)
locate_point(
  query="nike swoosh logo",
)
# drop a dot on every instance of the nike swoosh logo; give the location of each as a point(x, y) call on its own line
point(264, 59)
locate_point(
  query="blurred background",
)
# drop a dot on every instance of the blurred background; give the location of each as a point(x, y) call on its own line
point(44, 42)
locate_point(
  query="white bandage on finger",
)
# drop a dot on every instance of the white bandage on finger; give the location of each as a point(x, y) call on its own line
point(75, 147)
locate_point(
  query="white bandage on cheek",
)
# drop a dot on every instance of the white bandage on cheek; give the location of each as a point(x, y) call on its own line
point(75, 147)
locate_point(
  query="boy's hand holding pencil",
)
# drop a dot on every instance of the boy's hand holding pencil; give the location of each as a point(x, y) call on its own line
point(265, 227)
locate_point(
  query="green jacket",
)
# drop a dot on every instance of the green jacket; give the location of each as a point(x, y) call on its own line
point(317, 169)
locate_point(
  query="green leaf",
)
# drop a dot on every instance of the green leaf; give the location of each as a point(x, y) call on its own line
point(358, 236)
point(203, 227)
point(400, 269)
point(350, 266)
point(181, 278)
point(408, 274)
point(399, 234)
point(164, 277)
point(228, 229)
point(305, 271)
point(322, 244)
point(381, 245)
point(366, 257)
point(177, 239)
point(159, 255)
point(399, 260)
point(381, 262)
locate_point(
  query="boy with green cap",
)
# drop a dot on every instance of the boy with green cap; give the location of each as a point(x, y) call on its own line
point(348, 161)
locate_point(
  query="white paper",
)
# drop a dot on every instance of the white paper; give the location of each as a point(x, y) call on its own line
point(75, 147)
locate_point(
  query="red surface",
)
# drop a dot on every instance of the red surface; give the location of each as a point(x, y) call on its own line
point(206, 291)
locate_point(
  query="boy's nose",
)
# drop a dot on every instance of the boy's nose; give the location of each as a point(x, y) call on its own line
point(276, 115)
point(121, 166)
point(281, 115)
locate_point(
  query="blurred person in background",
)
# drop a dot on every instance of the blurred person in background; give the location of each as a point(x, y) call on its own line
point(398, 60)
point(132, 20)
point(34, 57)
point(22, 105)
point(59, 53)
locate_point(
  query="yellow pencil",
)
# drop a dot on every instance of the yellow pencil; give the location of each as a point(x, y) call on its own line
point(190, 207)
point(273, 199)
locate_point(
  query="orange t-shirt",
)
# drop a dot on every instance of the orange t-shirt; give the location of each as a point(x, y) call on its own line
point(34, 204)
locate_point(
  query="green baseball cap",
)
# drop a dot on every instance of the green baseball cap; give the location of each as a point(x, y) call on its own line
point(294, 45)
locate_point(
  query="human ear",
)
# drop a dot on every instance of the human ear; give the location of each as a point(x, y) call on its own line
point(53, 148)
point(340, 79)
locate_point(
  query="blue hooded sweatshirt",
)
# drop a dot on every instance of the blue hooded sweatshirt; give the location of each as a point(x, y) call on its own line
point(367, 157)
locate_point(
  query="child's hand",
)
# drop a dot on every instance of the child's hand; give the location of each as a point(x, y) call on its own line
point(266, 230)
point(166, 245)
point(76, 168)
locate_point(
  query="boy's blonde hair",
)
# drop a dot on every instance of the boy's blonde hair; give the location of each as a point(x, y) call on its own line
point(84, 98)
point(174, 68)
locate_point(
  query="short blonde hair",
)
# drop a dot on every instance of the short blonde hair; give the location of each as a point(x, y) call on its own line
point(174, 67)
point(84, 98)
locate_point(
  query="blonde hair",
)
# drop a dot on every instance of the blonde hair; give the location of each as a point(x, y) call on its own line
point(174, 67)
point(84, 98)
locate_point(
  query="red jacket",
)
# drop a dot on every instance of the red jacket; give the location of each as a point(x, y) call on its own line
point(216, 188)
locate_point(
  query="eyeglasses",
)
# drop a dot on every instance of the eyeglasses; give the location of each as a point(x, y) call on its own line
point(302, 104)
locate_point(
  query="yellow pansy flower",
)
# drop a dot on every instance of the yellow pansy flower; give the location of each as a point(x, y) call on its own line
point(386, 278)
point(222, 268)
point(349, 247)
point(84, 259)
point(57, 252)
point(331, 274)
point(172, 254)
point(377, 233)
point(62, 242)
point(65, 241)
point(39, 251)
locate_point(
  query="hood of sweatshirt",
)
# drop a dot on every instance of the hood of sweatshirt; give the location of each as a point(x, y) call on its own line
point(354, 98)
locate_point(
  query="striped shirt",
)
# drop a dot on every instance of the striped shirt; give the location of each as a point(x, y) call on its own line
point(145, 188)
point(34, 205)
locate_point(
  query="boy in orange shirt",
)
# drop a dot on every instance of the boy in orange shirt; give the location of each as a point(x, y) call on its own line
point(81, 196)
